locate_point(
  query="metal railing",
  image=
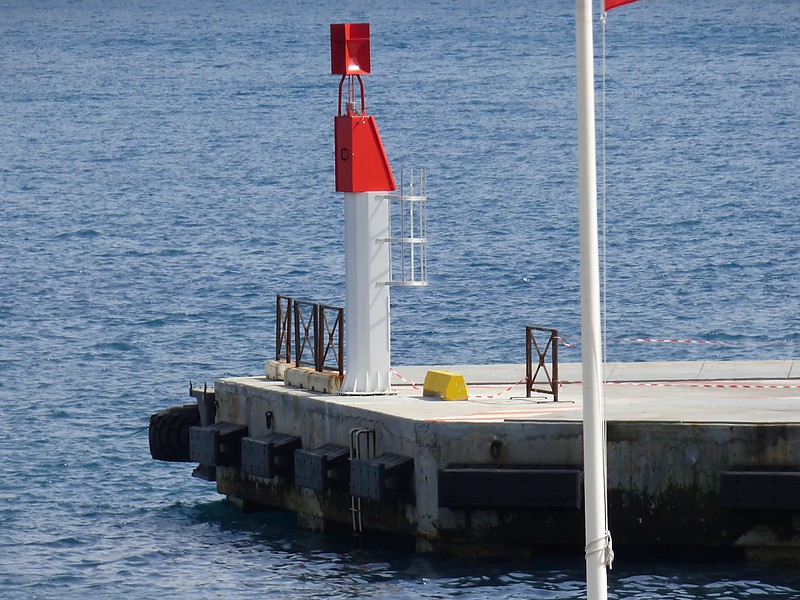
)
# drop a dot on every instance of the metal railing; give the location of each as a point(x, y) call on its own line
point(318, 331)
point(330, 338)
point(531, 343)
point(283, 329)
point(306, 332)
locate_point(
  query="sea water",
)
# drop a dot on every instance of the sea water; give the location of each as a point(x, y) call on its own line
point(167, 168)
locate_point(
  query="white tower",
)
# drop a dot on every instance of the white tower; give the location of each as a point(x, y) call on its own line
point(367, 327)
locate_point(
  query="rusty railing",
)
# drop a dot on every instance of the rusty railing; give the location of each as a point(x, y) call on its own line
point(283, 328)
point(531, 343)
point(318, 331)
point(330, 338)
point(305, 333)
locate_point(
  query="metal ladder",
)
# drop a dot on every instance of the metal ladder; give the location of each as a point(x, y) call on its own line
point(362, 446)
point(408, 230)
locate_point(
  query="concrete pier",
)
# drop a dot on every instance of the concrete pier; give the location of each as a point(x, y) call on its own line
point(700, 453)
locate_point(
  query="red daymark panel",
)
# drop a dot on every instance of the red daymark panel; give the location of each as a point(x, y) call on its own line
point(361, 163)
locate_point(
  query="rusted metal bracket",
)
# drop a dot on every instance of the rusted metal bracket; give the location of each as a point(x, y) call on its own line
point(551, 346)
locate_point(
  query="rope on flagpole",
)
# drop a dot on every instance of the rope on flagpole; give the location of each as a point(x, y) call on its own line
point(605, 543)
point(603, 14)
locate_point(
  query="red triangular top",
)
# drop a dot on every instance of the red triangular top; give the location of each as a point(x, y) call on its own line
point(609, 4)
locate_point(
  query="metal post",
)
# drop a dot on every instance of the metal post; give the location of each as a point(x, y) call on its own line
point(279, 329)
point(402, 226)
point(554, 347)
point(528, 362)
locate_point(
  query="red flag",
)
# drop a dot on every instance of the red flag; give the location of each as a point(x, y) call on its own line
point(609, 4)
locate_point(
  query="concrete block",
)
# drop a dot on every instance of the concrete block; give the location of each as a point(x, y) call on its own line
point(327, 383)
point(297, 377)
point(276, 369)
point(314, 381)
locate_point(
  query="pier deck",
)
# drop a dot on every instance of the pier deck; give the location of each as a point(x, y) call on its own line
point(699, 453)
point(703, 392)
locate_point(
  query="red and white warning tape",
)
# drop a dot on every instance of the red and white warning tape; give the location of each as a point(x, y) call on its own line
point(744, 386)
point(667, 341)
point(505, 391)
point(565, 342)
point(680, 341)
point(411, 383)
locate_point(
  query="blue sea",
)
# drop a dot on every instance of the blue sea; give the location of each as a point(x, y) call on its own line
point(166, 169)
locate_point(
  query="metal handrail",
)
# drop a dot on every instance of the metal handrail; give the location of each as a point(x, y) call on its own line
point(330, 338)
point(305, 333)
point(360, 439)
point(316, 331)
point(530, 376)
point(283, 328)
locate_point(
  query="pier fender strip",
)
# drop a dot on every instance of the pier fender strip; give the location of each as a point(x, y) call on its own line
point(322, 468)
point(384, 478)
point(445, 385)
point(510, 486)
point(218, 445)
point(760, 488)
point(270, 455)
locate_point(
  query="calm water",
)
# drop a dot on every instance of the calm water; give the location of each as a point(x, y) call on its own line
point(165, 170)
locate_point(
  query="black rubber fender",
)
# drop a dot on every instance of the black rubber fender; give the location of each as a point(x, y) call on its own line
point(169, 432)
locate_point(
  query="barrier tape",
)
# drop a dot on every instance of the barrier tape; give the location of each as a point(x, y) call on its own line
point(413, 385)
point(744, 386)
point(679, 341)
point(666, 341)
point(565, 342)
point(508, 389)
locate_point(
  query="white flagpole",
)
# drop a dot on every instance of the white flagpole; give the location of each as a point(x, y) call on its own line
point(591, 338)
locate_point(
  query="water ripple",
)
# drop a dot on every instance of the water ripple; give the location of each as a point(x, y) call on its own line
point(165, 171)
